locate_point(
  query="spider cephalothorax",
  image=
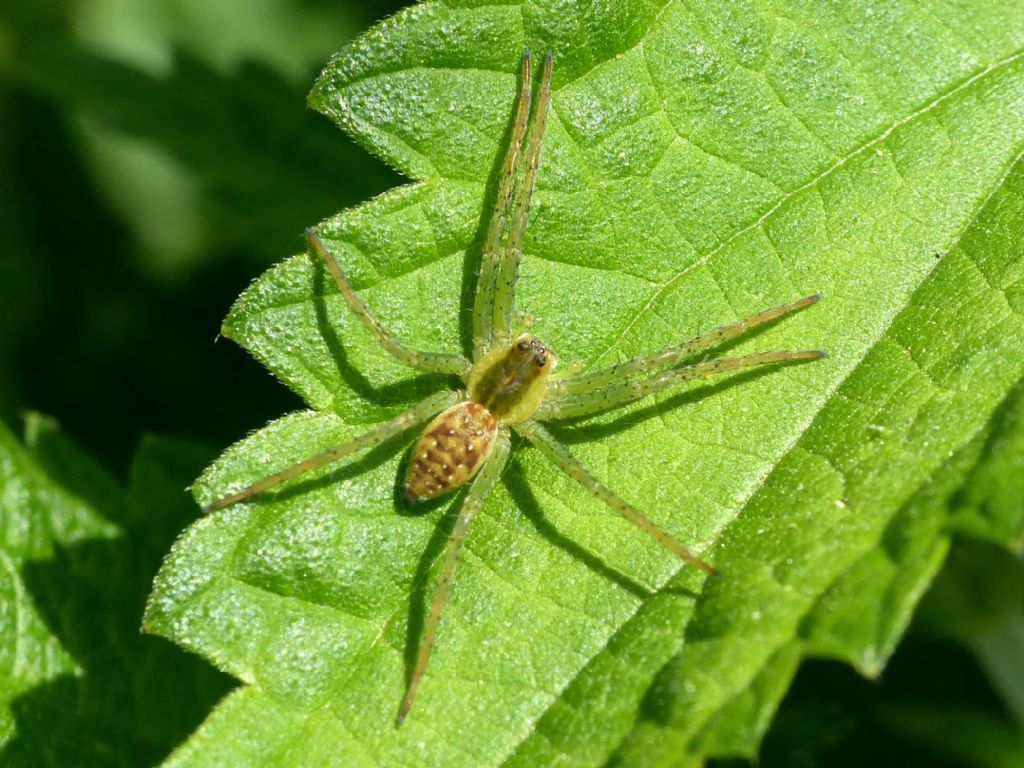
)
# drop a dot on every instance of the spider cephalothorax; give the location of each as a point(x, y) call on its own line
point(505, 387)
point(511, 381)
point(508, 381)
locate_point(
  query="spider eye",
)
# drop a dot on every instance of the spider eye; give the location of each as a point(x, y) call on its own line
point(523, 346)
point(541, 361)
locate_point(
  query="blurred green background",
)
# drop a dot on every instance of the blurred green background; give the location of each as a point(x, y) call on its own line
point(157, 156)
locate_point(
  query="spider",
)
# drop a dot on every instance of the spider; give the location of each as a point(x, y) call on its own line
point(509, 384)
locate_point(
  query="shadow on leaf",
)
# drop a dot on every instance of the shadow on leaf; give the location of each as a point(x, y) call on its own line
point(132, 697)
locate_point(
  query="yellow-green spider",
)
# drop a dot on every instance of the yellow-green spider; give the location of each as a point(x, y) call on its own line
point(509, 384)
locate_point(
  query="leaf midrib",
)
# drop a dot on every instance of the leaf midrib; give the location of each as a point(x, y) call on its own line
point(835, 386)
point(695, 728)
point(703, 259)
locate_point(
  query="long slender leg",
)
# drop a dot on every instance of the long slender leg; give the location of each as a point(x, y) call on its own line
point(483, 306)
point(561, 458)
point(669, 357)
point(614, 395)
point(508, 270)
point(431, 362)
point(478, 493)
point(415, 415)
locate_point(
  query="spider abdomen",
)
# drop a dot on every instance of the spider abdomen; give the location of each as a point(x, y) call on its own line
point(450, 450)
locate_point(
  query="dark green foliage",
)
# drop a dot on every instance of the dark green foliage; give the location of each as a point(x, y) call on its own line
point(80, 685)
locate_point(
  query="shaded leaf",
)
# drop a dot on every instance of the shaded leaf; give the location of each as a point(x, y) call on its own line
point(80, 685)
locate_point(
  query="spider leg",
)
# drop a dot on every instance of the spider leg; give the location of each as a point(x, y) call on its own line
point(508, 269)
point(614, 374)
point(415, 415)
point(561, 458)
point(572, 369)
point(614, 395)
point(478, 493)
point(430, 362)
point(483, 306)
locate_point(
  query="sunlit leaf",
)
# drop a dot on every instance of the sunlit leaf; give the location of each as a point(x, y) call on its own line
point(701, 163)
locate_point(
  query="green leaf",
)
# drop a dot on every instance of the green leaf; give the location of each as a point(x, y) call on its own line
point(701, 163)
point(78, 684)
